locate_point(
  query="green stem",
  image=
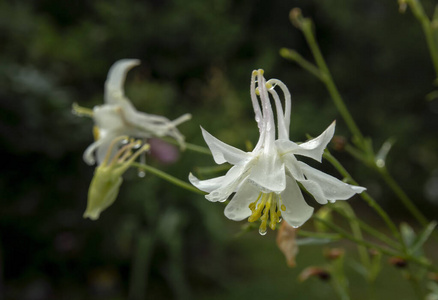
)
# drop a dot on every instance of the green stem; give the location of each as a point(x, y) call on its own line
point(357, 232)
point(140, 266)
point(364, 195)
point(170, 178)
point(328, 80)
point(407, 202)
point(373, 232)
point(319, 235)
point(305, 64)
point(340, 281)
point(306, 26)
point(199, 149)
point(418, 12)
point(371, 245)
point(395, 187)
point(350, 237)
point(415, 283)
point(189, 146)
point(359, 155)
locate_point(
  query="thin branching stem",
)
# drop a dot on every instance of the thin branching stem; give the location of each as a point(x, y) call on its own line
point(364, 195)
point(370, 230)
point(307, 28)
point(432, 44)
point(167, 177)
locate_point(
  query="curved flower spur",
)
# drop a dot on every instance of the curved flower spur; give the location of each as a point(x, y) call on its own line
point(265, 180)
point(119, 117)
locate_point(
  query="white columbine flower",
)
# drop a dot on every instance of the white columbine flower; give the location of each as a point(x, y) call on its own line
point(265, 180)
point(118, 117)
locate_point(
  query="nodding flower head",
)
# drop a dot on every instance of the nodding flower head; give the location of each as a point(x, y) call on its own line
point(107, 178)
point(117, 117)
point(264, 181)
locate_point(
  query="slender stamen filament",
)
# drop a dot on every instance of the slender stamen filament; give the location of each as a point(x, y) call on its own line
point(122, 154)
point(268, 211)
point(125, 155)
point(257, 212)
point(110, 148)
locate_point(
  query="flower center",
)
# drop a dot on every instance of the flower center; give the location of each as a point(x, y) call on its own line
point(268, 208)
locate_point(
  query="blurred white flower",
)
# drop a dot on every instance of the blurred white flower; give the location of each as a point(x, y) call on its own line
point(265, 180)
point(117, 117)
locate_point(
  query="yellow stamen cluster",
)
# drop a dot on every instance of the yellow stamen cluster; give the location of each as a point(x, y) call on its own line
point(125, 154)
point(269, 208)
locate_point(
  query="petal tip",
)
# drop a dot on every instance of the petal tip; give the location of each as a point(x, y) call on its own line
point(358, 189)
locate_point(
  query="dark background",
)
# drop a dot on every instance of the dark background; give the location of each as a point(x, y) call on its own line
point(197, 57)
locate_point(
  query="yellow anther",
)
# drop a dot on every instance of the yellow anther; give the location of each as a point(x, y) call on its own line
point(258, 211)
point(261, 72)
point(257, 91)
point(252, 206)
point(268, 86)
point(254, 73)
point(283, 207)
point(268, 211)
point(256, 214)
point(96, 133)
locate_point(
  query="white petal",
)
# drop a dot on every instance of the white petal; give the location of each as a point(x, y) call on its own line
point(206, 185)
point(297, 210)
point(287, 105)
point(116, 79)
point(223, 152)
point(285, 146)
point(315, 190)
point(268, 173)
point(292, 166)
point(88, 155)
point(234, 177)
point(268, 125)
point(238, 209)
point(98, 149)
point(254, 100)
point(108, 117)
point(283, 132)
point(104, 147)
point(325, 187)
point(313, 148)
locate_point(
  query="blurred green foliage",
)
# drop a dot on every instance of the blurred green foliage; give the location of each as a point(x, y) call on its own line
point(197, 57)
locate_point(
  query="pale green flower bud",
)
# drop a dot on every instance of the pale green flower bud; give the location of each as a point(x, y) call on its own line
point(107, 178)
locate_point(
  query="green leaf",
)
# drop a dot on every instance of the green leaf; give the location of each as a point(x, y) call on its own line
point(423, 236)
point(359, 268)
point(408, 234)
point(376, 265)
point(383, 152)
